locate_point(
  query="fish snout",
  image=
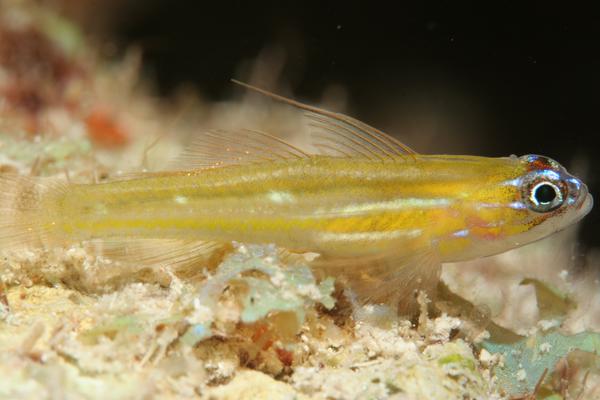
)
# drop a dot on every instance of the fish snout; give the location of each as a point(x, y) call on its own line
point(585, 203)
point(577, 193)
point(581, 195)
point(584, 200)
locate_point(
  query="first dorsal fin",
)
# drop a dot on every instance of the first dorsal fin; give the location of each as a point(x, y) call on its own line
point(343, 135)
point(235, 147)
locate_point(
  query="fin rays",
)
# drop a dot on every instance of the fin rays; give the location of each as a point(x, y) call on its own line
point(333, 134)
point(151, 252)
point(388, 278)
point(220, 147)
point(343, 130)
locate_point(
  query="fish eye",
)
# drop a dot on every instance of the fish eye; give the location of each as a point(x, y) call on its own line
point(545, 196)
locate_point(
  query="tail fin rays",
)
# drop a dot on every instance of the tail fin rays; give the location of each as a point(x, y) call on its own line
point(24, 217)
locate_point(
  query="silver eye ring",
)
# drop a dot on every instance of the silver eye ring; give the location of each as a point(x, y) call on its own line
point(545, 196)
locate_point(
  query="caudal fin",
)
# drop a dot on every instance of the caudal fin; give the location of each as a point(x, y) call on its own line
point(23, 210)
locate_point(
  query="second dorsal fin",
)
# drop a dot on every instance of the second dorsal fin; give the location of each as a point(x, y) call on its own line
point(343, 135)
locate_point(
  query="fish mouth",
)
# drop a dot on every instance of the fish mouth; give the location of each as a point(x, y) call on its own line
point(583, 207)
point(585, 201)
point(586, 205)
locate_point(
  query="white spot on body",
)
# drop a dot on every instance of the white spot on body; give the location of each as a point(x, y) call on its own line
point(280, 197)
point(181, 200)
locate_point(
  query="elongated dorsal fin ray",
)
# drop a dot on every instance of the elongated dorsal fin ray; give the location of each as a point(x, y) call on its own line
point(326, 131)
point(350, 131)
point(235, 147)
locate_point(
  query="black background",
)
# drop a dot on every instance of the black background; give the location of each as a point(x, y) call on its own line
point(476, 79)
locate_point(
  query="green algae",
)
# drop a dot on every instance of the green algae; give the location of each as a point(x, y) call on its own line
point(283, 286)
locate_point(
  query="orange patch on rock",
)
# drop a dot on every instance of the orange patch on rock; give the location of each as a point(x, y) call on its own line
point(105, 130)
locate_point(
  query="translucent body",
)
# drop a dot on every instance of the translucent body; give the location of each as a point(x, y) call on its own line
point(462, 206)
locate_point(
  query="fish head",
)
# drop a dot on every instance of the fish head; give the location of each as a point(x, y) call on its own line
point(532, 198)
point(551, 197)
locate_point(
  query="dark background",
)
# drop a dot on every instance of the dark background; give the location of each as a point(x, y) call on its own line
point(446, 79)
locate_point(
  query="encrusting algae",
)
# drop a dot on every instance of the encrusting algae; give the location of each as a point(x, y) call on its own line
point(378, 214)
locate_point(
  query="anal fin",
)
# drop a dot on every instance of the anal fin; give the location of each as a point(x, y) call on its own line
point(177, 253)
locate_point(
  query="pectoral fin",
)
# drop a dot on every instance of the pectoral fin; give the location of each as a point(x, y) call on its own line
point(392, 278)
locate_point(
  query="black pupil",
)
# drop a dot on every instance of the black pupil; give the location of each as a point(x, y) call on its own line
point(545, 194)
